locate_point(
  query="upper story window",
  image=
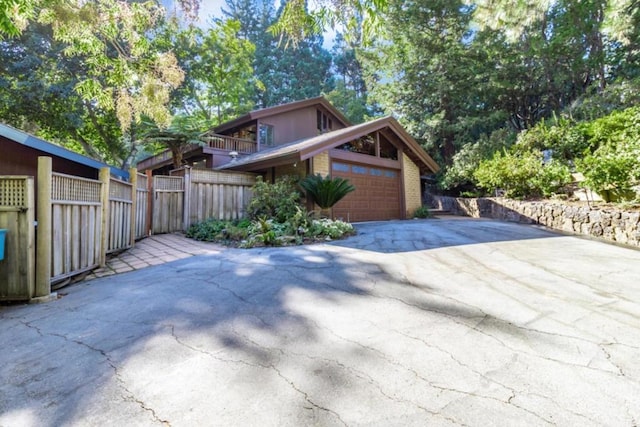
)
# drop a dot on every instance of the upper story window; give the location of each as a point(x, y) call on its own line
point(323, 121)
point(265, 133)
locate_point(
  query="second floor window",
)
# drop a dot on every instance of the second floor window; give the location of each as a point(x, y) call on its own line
point(323, 121)
point(266, 135)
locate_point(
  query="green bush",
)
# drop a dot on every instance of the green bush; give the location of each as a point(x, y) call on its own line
point(215, 230)
point(422, 212)
point(278, 201)
point(613, 166)
point(522, 174)
point(326, 191)
point(460, 174)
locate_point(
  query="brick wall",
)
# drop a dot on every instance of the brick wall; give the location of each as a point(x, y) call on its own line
point(412, 193)
point(321, 164)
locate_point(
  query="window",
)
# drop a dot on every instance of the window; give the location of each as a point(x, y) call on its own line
point(375, 172)
point(390, 174)
point(323, 122)
point(359, 169)
point(364, 145)
point(340, 167)
point(266, 135)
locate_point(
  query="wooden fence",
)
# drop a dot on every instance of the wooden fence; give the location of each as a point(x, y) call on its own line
point(76, 225)
point(141, 205)
point(80, 220)
point(121, 214)
point(17, 278)
point(213, 194)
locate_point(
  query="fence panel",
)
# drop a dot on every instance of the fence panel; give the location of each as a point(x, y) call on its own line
point(168, 197)
point(142, 206)
point(120, 205)
point(76, 212)
point(17, 275)
point(221, 195)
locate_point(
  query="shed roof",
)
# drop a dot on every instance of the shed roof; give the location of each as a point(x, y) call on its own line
point(309, 147)
point(279, 109)
point(36, 143)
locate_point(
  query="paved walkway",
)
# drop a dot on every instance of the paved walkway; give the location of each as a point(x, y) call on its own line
point(155, 250)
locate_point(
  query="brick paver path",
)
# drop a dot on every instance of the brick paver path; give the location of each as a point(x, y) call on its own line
point(154, 250)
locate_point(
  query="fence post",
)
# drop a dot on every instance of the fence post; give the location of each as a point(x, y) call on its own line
point(43, 261)
point(186, 200)
point(148, 229)
point(105, 176)
point(133, 180)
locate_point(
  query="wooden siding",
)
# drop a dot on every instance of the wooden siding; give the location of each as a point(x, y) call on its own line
point(142, 206)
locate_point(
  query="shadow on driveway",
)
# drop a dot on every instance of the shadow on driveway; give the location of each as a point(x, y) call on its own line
point(443, 322)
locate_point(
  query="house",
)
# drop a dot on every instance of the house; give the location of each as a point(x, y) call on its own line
point(20, 152)
point(379, 157)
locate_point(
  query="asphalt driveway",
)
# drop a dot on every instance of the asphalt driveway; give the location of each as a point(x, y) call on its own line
point(431, 322)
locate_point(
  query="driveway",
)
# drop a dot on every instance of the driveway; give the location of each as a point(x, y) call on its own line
point(426, 322)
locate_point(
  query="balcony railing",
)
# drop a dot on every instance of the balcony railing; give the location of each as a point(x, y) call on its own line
point(212, 140)
point(229, 143)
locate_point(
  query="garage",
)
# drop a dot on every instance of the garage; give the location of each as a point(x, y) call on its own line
point(377, 194)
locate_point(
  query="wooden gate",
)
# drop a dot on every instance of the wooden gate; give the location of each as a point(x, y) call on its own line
point(168, 199)
point(17, 277)
point(120, 208)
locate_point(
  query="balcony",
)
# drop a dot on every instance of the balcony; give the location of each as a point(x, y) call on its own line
point(209, 141)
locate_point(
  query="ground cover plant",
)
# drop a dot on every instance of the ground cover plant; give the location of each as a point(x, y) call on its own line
point(275, 218)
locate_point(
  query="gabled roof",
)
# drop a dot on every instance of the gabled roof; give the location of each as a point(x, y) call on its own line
point(55, 150)
point(279, 109)
point(307, 148)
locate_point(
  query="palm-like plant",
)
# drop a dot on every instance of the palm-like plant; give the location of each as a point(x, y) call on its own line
point(326, 191)
point(177, 137)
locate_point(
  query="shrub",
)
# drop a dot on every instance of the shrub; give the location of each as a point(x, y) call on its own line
point(278, 201)
point(215, 230)
point(326, 191)
point(422, 212)
point(522, 174)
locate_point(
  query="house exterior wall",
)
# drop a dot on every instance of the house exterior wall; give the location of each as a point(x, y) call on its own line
point(18, 159)
point(295, 125)
point(411, 176)
point(321, 164)
point(298, 170)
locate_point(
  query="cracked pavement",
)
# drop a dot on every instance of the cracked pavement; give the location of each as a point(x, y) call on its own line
point(447, 322)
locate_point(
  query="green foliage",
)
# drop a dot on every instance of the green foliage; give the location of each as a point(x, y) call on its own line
point(565, 139)
point(613, 168)
point(522, 174)
point(278, 201)
point(326, 191)
point(215, 230)
point(182, 133)
point(422, 212)
point(460, 174)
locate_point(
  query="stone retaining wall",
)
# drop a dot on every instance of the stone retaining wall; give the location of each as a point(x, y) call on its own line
point(611, 224)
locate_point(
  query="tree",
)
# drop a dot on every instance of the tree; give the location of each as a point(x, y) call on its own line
point(220, 83)
point(37, 94)
point(182, 133)
point(124, 70)
point(426, 68)
point(287, 73)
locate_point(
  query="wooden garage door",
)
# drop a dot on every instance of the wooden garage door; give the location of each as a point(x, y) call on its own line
point(377, 195)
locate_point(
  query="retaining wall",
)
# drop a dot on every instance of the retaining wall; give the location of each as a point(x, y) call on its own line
point(611, 224)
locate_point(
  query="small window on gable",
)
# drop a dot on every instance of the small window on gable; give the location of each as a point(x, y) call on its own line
point(323, 122)
point(364, 145)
